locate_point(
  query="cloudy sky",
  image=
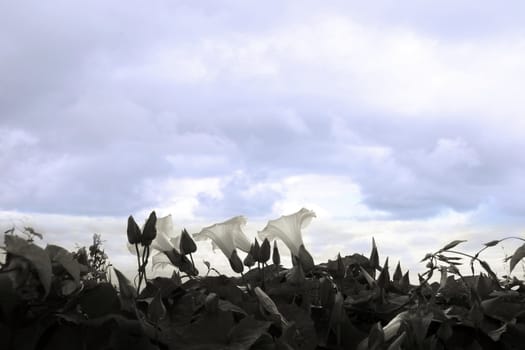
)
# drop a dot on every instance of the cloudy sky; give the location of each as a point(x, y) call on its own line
point(399, 120)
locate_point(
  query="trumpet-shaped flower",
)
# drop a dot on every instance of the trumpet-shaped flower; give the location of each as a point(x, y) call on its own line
point(288, 229)
point(226, 236)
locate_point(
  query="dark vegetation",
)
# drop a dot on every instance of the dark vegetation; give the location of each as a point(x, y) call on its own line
point(55, 299)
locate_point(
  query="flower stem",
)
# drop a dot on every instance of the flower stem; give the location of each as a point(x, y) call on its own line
point(139, 267)
point(192, 263)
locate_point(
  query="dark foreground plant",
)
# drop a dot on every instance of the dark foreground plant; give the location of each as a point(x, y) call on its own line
point(47, 301)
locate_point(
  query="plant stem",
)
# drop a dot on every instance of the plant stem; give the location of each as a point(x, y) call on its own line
point(193, 263)
point(139, 267)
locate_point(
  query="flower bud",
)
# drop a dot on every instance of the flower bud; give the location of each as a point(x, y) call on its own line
point(275, 256)
point(236, 263)
point(133, 231)
point(264, 251)
point(181, 262)
point(174, 257)
point(150, 231)
point(187, 245)
point(305, 259)
point(255, 250)
point(249, 261)
point(211, 303)
point(340, 270)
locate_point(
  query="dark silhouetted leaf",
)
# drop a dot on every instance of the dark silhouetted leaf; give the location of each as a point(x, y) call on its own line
point(492, 243)
point(452, 245)
point(65, 259)
point(99, 301)
point(384, 277)
point(367, 276)
point(487, 268)
point(398, 274)
point(246, 333)
point(36, 255)
point(156, 309)
point(427, 256)
point(126, 291)
point(305, 259)
point(517, 256)
point(502, 309)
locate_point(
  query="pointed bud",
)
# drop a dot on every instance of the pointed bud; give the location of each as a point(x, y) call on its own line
point(340, 270)
point(374, 257)
point(187, 267)
point(211, 303)
point(384, 277)
point(276, 257)
point(264, 251)
point(150, 231)
point(398, 274)
point(296, 275)
point(181, 262)
point(133, 231)
point(404, 283)
point(236, 263)
point(248, 260)
point(255, 250)
point(174, 257)
point(187, 244)
point(305, 259)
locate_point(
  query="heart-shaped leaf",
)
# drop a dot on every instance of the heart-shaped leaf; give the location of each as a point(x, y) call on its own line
point(36, 255)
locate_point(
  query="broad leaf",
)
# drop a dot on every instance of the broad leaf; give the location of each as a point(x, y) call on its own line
point(64, 258)
point(126, 291)
point(156, 309)
point(246, 333)
point(36, 255)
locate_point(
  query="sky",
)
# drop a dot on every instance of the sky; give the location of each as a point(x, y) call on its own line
point(399, 120)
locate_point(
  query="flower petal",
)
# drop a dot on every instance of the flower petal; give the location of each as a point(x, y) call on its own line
point(226, 235)
point(288, 229)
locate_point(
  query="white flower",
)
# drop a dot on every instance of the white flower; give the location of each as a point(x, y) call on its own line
point(226, 236)
point(288, 229)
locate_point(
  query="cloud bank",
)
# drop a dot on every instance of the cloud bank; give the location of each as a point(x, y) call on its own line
point(403, 120)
